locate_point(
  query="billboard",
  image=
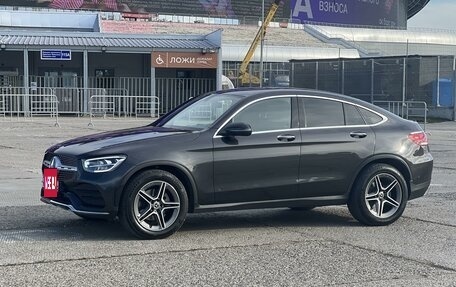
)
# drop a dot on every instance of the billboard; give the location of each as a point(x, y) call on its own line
point(216, 8)
point(367, 13)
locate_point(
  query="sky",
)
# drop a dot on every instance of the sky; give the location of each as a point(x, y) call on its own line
point(438, 14)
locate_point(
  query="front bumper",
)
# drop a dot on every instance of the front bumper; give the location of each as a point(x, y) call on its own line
point(83, 193)
point(71, 208)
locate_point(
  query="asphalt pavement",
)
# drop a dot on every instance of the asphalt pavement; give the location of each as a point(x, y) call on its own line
point(41, 245)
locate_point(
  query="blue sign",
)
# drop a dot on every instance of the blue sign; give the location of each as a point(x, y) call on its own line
point(56, 55)
point(368, 13)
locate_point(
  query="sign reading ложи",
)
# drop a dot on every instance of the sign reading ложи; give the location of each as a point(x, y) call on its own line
point(184, 60)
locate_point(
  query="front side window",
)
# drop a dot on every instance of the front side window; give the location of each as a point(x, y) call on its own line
point(203, 113)
point(267, 115)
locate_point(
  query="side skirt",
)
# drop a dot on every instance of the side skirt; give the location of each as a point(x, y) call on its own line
point(312, 201)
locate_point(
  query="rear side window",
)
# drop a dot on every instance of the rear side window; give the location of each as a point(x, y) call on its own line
point(370, 117)
point(323, 113)
point(352, 116)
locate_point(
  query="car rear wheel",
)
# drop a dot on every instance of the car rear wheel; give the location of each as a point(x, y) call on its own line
point(154, 205)
point(379, 195)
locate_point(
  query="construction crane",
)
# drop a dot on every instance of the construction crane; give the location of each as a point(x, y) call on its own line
point(244, 75)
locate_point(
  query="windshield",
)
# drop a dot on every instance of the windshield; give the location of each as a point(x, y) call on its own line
point(203, 113)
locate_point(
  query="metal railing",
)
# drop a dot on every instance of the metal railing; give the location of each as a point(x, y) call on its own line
point(173, 92)
point(2, 105)
point(75, 99)
point(340, 39)
point(29, 105)
point(406, 109)
point(119, 105)
point(70, 100)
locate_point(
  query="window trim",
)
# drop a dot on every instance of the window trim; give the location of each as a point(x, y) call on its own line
point(216, 135)
point(384, 118)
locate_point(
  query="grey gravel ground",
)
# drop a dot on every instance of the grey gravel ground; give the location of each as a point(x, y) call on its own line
point(42, 245)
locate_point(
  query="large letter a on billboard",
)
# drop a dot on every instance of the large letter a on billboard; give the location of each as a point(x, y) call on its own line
point(303, 6)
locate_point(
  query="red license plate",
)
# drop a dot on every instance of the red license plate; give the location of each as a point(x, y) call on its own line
point(50, 182)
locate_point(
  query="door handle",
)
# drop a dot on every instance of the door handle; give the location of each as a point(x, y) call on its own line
point(286, 138)
point(358, 135)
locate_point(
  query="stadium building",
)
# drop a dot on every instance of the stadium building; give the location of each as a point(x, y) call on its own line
point(166, 52)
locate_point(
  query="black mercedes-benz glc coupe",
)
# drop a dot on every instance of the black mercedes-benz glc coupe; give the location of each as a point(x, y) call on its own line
point(244, 149)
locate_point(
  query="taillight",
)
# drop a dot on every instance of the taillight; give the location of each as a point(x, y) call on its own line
point(419, 138)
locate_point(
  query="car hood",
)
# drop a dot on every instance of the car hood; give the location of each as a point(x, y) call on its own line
point(108, 139)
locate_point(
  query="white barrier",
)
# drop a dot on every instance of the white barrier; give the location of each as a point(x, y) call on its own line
point(29, 105)
point(121, 105)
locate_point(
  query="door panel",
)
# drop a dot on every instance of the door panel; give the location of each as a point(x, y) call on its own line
point(330, 158)
point(257, 167)
point(335, 142)
point(264, 165)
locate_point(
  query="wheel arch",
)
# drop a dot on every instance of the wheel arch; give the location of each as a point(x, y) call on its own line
point(174, 168)
point(395, 161)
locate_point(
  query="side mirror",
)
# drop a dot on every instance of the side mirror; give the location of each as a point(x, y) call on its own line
point(236, 129)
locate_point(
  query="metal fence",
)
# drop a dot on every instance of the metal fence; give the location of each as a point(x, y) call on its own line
point(75, 100)
point(429, 79)
point(409, 109)
point(119, 105)
point(29, 105)
point(173, 92)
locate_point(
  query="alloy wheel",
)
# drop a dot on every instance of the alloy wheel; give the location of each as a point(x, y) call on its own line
point(383, 195)
point(156, 206)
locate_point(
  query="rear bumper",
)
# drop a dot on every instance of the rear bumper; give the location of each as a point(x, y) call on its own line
point(418, 190)
point(422, 174)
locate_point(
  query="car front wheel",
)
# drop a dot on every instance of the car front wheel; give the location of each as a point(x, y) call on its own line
point(379, 195)
point(154, 205)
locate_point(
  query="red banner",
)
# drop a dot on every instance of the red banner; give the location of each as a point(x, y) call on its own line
point(50, 182)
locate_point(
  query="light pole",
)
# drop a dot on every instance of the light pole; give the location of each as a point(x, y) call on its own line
point(261, 44)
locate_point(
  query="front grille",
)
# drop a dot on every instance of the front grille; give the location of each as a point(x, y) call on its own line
point(88, 195)
point(65, 160)
point(90, 198)
point(65, 175)
point(82, 196)
point(68, 160)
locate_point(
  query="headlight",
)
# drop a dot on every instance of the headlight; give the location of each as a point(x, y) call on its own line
point(102, 164)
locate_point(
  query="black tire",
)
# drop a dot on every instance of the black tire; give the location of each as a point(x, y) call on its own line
point(379, 195)
point(302, 208)
point(154, 205)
